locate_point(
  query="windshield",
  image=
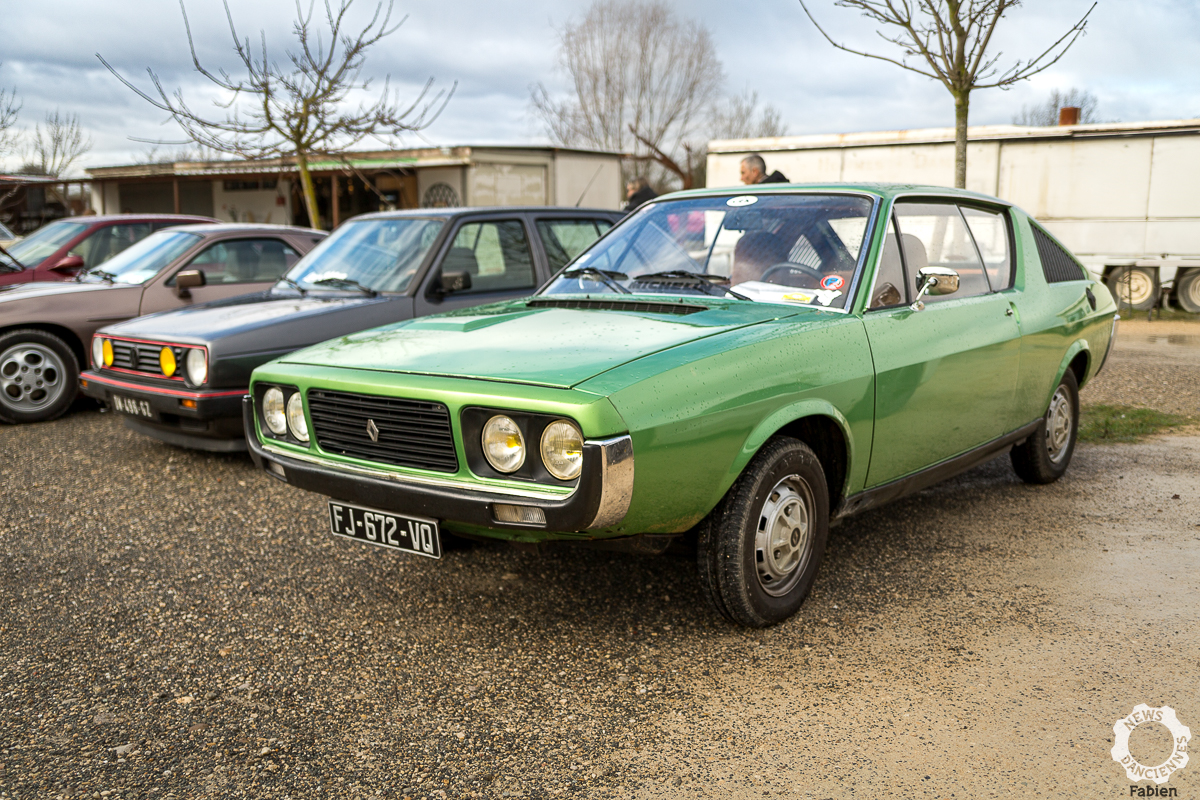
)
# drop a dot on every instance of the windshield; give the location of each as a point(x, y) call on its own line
point(379, 254)
point(5, 233)
point(140, 262)
point(800, 248)
point(39, 245)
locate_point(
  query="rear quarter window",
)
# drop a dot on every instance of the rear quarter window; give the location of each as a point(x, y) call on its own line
point(1058, 265)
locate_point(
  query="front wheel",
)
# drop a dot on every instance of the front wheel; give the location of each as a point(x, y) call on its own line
point(1045, 455)
point(39, 376)
point(759, 551)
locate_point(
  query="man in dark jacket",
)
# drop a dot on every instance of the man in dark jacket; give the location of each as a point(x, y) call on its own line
point(754, 170)
point(638, 191)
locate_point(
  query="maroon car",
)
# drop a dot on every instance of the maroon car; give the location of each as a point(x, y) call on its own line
point(62, 249)
point(46, 328)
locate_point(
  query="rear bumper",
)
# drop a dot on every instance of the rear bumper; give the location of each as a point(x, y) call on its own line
point(214, 423)
point(600, 501)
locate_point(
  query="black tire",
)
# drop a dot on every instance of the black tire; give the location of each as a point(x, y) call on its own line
point(1187, 291)
point(782, 487)
point(1046, 454)
point(1139, 282)
point(39, 376)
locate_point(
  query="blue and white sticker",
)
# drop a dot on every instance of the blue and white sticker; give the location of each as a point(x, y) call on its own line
point(832, 282)
point(742, 200)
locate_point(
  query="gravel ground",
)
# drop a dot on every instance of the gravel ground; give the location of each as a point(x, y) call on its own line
point(174, 624)
point(1154, 365)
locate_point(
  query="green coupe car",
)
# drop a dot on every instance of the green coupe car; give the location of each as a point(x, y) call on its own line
point(737, 368)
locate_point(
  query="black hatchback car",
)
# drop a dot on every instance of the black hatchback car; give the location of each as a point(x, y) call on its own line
point(373, 270)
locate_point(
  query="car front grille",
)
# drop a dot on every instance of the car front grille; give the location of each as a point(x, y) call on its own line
point(139, 357)
point(408, 433)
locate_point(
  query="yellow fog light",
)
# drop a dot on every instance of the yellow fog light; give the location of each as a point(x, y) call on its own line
point(166, 360)
point(562, 450)
point(108, 355)
point(503, 445)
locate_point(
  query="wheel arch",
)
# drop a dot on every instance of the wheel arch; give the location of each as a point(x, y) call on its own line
point(1078, 359)
point(819, 425)
point(61, 331)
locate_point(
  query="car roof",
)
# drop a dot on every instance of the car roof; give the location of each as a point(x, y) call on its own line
point(883, 190)
point(457, 211)
point(249, 227)
point(94, 219)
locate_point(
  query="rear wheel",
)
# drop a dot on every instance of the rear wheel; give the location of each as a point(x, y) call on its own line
point(1187, 291)
point(1134, 287)
point(1045, 455)
point(759, 551)
point(39, 376)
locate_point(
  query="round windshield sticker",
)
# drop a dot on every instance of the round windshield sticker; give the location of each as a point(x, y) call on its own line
point(743, 200)
point(832, 282)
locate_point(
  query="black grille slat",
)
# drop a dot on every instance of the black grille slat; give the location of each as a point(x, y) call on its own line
point(147, 357)
point(412, 433)
point(1057, 264)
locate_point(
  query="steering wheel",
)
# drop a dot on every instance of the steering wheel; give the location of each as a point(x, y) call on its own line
point(792, 269)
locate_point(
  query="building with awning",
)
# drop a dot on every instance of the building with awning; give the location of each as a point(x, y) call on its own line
point(269, 191)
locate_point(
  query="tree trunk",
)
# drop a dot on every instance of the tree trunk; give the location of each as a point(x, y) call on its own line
point(309, 191)
point(962, 103)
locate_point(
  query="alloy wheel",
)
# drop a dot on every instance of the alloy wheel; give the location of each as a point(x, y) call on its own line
point(32, 377)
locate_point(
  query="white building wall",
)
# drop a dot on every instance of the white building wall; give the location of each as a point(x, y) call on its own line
point(260, 205)
point(587, 181)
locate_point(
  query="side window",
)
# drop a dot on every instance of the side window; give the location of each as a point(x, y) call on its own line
point(934, 234)
point(244, 261)
point(990, 229)
point(110, 240)
point(494, 253)
point(890, 286)
point(566, 238)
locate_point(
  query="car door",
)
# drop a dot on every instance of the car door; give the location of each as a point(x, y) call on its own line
point(496, 255)
point(231, 266)
point(945, 375)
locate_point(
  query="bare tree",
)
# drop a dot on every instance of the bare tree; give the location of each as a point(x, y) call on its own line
point(9, 108)
point(303, 108)
point(1045, 114)
point(644, 83)
point(740, 118)
point(947, 40)
point(54, 150)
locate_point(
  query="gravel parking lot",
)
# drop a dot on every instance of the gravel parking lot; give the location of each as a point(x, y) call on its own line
point(174, 624)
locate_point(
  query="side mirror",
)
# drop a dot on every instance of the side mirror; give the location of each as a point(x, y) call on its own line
point(450, 282)
point(68, 265)
point(188, 279)
point(934, 281)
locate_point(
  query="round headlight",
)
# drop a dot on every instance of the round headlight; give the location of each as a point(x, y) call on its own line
point(503, 445)
point(97, 352)
point(166, 361)
point(295, 417)
point(562, 450)
point(197, 367)
point(273, 411)
point(107, 353)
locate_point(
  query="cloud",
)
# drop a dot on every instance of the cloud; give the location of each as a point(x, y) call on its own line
point(1137, 59)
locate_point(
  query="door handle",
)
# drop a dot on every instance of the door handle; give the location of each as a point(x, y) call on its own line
point(1008, 312)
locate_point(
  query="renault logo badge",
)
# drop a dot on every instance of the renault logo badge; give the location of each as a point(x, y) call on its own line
point(372, 430)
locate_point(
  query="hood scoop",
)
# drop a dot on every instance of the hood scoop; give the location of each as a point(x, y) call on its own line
point(643, 307)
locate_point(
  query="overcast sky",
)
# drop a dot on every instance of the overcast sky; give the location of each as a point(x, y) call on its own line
point(1139, 58)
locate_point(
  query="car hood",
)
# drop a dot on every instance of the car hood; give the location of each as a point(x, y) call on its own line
point(546, 346)
point(22, 291)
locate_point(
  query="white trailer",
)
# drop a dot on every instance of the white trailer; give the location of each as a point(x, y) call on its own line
point(1125, 197)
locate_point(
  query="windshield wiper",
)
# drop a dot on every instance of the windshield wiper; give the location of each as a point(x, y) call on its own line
point(353, 284)
point(293, 284)
point(679, 277)
point(607, 277)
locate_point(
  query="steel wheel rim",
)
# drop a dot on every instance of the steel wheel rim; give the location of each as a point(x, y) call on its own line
point(783, 539)
point(1191, 291)
point(1134, 288)
point(32, 377)
point(1059, 421)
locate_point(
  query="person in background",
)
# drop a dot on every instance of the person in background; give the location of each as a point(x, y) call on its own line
point(754, 170)
point(638, 191)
